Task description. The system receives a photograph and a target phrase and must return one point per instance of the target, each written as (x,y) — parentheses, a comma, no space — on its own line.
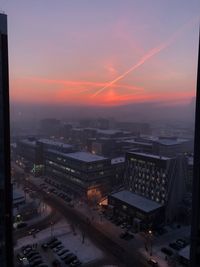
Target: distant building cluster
(123,162)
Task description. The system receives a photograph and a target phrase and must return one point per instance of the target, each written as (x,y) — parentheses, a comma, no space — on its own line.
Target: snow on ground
(86,251)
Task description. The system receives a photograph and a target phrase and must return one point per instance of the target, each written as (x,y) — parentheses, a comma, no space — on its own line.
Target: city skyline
(107,53)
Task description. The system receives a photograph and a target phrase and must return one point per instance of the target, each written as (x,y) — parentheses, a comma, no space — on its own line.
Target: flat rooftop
(117,160)
(85,156)
(54,143)
(137,201)
(185,252)
(171,142)
(28,142)
(3,23)
(109,131)
(147,155)
(17,195)
(138,143)
(81,156)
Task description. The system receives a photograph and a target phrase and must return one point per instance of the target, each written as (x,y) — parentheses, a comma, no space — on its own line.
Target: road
(126,254)
(42,224)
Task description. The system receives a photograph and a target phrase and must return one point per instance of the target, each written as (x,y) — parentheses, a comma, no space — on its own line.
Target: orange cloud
(79,92)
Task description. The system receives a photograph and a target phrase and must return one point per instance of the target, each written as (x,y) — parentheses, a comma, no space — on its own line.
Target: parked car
(27,250)
(36,263)
(44,246)
(126,235)
(36,257)
(66,255)
(181,243)
(175,246)
(58,248)
(21,225)
(152,262)
(167,251)
(75,263)
(33,231)
(31,254)
(25,262)
(55,244)
(56,263)
(70,259)
(53,239)
(60,253)
(20,256)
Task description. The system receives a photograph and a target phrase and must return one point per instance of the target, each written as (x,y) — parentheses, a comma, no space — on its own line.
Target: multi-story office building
(160,179)
(5,183)
(30,152)
(170,147)
(83,173)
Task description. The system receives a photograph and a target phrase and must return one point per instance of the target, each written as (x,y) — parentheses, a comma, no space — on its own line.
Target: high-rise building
(195,233)
(159,179)
(5,183)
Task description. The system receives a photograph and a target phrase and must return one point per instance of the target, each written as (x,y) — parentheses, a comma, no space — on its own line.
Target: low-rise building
(135,208)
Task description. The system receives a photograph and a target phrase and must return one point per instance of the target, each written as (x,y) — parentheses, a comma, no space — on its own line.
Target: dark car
(56,263)
(60,253)
(55,244)
(53,239)
(36,263)
(75,263)
(21,225)
(181,243)
(27,250)
(33,231)
(70,259)
(65,256)
(35,257)
(175,246)
(20,256)
(31,254)
(167,251)
(126,236)
(44,246)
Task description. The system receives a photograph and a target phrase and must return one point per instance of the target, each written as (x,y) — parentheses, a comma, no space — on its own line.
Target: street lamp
(51,224)
(150,241)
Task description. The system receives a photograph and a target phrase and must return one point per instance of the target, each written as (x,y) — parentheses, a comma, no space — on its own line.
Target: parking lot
(59,245)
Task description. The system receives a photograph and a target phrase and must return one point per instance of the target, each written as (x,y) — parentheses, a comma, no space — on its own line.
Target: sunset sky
(102,52)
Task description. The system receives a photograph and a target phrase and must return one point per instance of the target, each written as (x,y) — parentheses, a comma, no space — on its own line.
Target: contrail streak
(134,67)
(147,56)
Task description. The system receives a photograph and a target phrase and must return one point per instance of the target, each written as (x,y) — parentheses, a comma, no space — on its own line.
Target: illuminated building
(85,174)
(157,178)
(31,152)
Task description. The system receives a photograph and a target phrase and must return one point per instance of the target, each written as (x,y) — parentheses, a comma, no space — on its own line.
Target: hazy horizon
(140,112)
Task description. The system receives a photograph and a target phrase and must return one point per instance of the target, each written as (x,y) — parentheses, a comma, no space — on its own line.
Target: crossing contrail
(147,56)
